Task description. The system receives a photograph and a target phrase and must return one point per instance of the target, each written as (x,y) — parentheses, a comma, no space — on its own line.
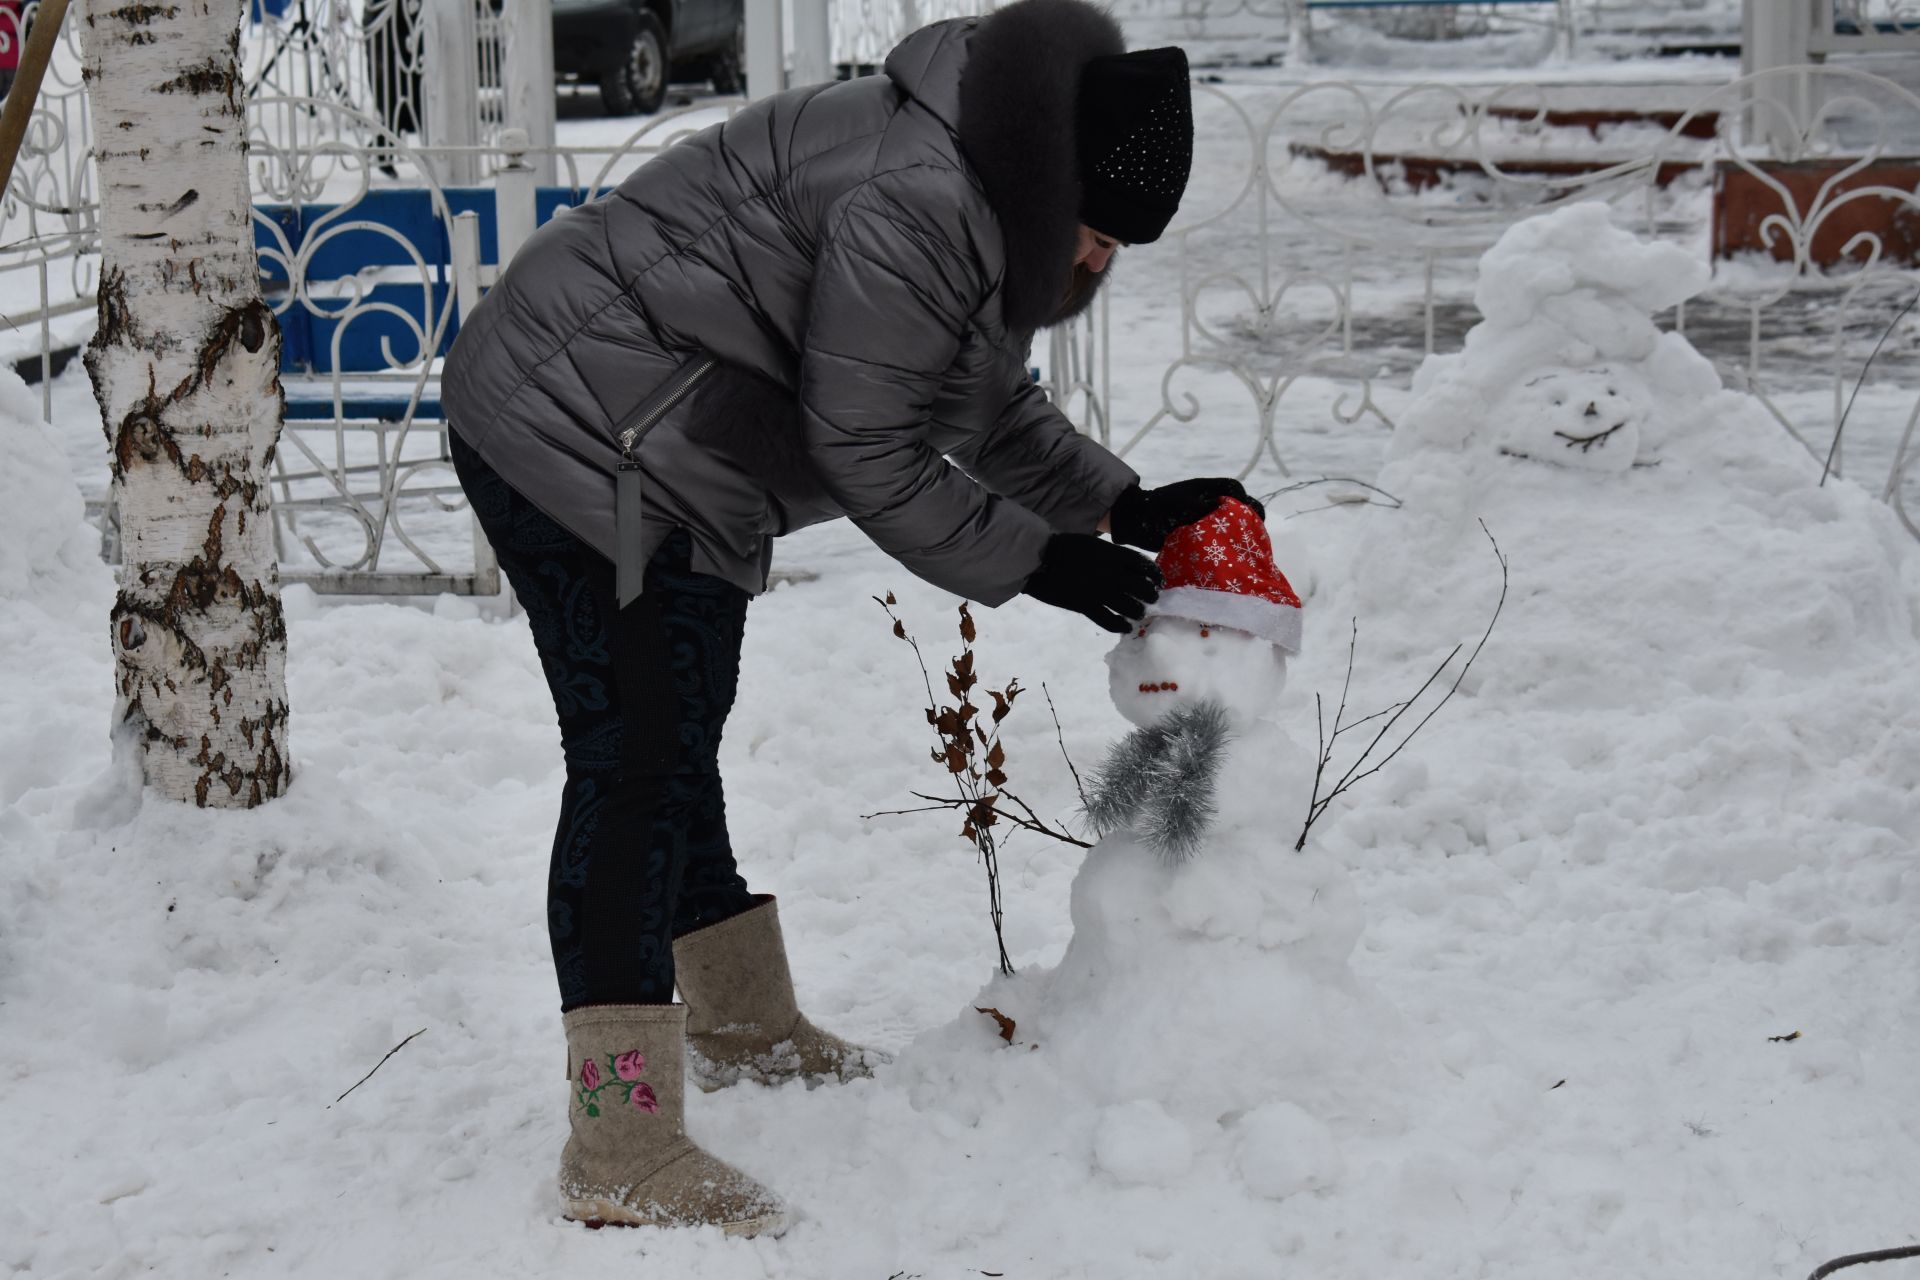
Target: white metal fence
(1288,276)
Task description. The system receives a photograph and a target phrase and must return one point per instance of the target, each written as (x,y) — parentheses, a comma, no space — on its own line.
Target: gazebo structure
(1780,38)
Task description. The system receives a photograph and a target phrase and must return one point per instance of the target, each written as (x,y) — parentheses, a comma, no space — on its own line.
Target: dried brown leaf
(899,629)
(996,778)
(890,599)
(1006,1024)
(966,625)
(1001,705)
(997,756)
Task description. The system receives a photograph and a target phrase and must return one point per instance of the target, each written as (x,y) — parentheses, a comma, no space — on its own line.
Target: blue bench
(379,284)
(382,281)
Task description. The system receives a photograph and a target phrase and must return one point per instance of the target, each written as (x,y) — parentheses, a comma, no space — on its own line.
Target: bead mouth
(1168,686)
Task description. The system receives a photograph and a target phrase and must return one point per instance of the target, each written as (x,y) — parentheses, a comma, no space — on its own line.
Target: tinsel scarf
(1160,781)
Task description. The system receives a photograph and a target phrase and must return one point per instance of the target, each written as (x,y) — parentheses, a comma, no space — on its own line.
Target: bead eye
(1204,633)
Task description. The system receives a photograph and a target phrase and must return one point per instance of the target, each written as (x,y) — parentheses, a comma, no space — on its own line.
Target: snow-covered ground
(1670,819)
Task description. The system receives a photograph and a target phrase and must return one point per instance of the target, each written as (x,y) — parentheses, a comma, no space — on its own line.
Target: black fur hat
(1135,138)
(1017,108)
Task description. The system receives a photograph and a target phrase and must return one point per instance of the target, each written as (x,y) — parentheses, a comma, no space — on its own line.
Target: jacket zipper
(631,436)
(629,569)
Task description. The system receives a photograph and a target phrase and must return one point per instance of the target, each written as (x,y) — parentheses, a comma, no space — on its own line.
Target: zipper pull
(629,565)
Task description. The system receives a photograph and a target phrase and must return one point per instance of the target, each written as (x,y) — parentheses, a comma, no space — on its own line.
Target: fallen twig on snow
(1317,804)
(376,1066)
(1854,1259)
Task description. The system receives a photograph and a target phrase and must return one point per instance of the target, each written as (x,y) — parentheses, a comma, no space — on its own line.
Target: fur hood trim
(1018,92)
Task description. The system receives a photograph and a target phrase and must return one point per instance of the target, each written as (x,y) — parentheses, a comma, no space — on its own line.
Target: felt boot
(629,1161)
(742,1021)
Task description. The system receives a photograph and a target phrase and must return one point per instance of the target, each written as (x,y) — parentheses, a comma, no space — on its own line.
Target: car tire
(639,84)
(729,67)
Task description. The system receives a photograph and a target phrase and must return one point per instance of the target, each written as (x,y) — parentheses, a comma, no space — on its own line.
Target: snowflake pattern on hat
(1220,570)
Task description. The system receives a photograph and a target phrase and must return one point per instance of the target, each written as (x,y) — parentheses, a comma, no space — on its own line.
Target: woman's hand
(1144,517)
(1089,575)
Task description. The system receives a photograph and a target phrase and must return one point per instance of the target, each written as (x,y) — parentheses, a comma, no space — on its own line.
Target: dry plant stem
(1391,502)
(1354,773)
(1833,450)
(1061,737)
(1031,822)
(1388,710)
(964,749)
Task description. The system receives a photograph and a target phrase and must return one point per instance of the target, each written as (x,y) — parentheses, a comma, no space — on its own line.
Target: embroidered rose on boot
(625,1078)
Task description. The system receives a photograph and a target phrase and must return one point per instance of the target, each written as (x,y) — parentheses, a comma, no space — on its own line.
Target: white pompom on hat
(1220,571)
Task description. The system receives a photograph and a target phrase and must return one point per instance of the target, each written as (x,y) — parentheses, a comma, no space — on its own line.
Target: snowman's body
(1258,788)
(1206,1001)
(1204,1006)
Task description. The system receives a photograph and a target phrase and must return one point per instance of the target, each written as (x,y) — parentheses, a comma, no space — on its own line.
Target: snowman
(1567,366)
(1207,663)
(1205,1004)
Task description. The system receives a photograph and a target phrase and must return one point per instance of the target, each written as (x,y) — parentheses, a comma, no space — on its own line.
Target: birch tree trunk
(186,366)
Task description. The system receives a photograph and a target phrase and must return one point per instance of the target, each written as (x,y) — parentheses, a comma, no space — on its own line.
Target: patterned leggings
(641,854)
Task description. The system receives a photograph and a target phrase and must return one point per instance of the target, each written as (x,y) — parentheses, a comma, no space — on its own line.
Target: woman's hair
(1082,285)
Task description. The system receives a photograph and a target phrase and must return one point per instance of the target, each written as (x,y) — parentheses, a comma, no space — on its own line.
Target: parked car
(634,48)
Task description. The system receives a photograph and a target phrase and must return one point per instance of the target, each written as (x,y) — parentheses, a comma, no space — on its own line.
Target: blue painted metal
(408,237)
(362,408)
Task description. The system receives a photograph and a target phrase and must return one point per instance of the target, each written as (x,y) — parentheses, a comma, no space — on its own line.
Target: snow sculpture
(1189,679)
(1205,1004)
(1568,367)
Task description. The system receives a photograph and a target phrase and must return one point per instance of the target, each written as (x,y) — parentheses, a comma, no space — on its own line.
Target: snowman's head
(1169,662)
(1588,419)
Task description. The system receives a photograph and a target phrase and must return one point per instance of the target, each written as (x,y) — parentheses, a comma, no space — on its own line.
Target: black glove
(1090,575)
(1144,517)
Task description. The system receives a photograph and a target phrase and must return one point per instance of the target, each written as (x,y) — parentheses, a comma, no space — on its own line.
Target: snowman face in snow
(1587,419)
(1167,663)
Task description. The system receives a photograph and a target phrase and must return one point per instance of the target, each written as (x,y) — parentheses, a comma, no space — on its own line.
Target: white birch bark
(186,368)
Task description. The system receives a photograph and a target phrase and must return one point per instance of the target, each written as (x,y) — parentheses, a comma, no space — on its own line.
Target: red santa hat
(1220,570)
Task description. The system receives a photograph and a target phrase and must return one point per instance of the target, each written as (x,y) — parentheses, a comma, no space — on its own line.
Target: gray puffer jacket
(805,312)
